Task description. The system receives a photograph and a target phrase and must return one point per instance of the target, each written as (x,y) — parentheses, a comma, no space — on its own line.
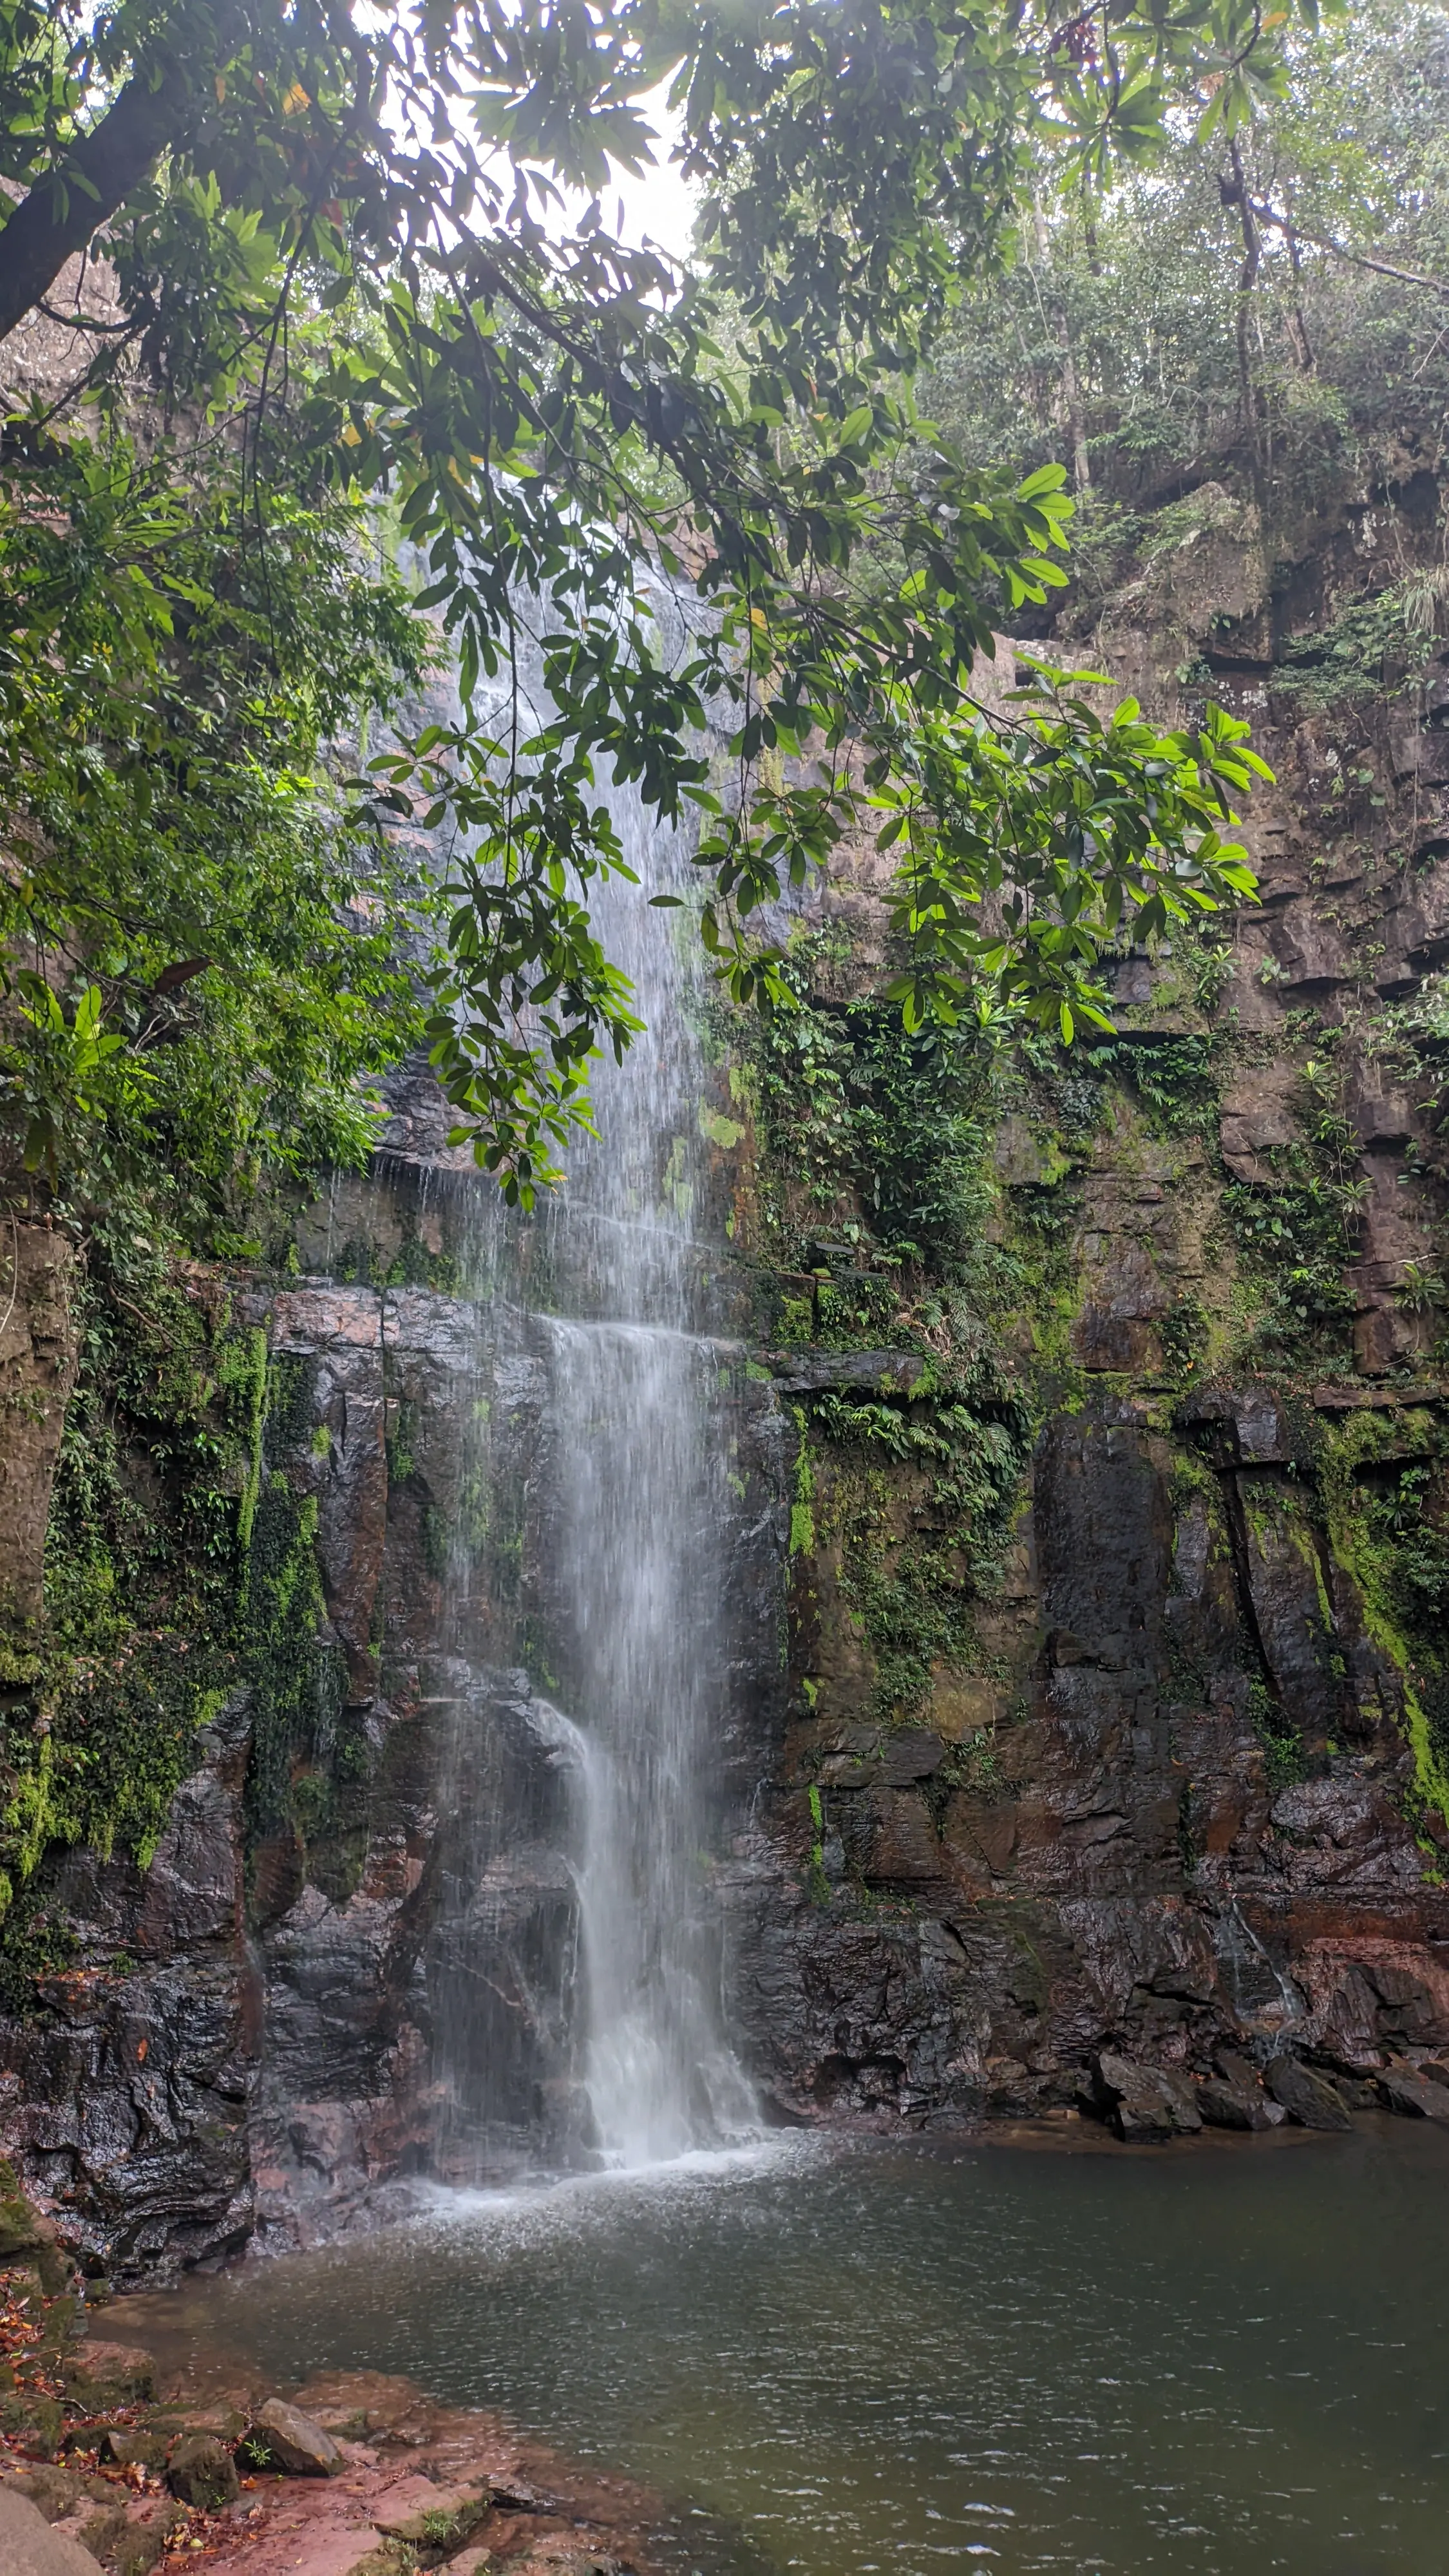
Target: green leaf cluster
(546,410)
(202,966)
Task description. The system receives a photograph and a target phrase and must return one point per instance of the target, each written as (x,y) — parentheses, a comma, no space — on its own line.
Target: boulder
(202,2472)
(130,2542)
(130,2548)
(53,2491)
(284,2438)
(1306,2096)
(129,2445)
(1418,2097)
(28,2546)
(226,2423)
(40,2421)
(1144,2103)
(1233,2106)
(1237,2070)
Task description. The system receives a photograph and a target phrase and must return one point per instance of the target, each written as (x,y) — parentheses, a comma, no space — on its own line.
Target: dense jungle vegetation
(1119,272)
(335,314)
(1243,334)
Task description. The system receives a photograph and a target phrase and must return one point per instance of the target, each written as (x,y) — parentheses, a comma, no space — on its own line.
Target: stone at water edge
(28,2546)
(1307,2097)
(560,2556)
(131,2446)
(1144,2104)
(1415,2095)
(515,2495)
(289,2440)
(437,2521)
(202,2472)
(1226,2106)
(55,2491)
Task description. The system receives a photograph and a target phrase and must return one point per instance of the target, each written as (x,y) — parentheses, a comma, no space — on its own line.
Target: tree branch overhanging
(92,182)
(1293,231)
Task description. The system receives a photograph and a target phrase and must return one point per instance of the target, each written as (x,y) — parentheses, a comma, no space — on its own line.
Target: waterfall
(636,1549)
(597,1317)
(642,1522)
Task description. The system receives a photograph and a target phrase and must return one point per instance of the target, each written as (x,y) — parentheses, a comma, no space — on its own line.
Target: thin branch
(1292,230)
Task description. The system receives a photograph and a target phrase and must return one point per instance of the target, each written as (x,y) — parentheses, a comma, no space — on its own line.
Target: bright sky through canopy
(660,203)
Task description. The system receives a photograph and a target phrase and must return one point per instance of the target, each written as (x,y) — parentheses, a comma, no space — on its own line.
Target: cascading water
(635,1560)
(640,1532)
(624,1515)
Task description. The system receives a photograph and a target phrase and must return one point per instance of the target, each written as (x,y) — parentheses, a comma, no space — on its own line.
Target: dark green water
(1222,2359)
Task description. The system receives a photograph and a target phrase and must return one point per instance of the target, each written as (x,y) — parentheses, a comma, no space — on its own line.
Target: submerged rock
(100,2376)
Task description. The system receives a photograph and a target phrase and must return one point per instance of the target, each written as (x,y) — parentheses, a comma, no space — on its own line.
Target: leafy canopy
(373,245)
(1344,193)
(203,964)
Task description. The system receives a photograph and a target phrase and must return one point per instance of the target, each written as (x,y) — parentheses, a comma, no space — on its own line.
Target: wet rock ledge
(111,2460)
(1147,2105)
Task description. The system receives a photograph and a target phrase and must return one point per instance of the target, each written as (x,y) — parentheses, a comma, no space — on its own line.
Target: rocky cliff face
(1173,1770)
(1106,1538)
(245,2034)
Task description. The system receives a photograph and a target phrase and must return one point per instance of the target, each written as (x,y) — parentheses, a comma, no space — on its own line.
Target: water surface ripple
(906,2359)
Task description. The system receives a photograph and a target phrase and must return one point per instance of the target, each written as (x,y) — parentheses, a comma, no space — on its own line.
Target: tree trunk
(1071,383)
(1249,397)
(83,191)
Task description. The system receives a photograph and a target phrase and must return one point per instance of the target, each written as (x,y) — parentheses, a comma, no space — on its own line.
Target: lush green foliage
(180,1569)
(859,1112)
(157,1478)
(914,1555)
(202,960)
(1163,331)
(549,407)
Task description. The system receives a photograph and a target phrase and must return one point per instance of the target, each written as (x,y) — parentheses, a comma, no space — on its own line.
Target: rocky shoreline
(114,2461)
